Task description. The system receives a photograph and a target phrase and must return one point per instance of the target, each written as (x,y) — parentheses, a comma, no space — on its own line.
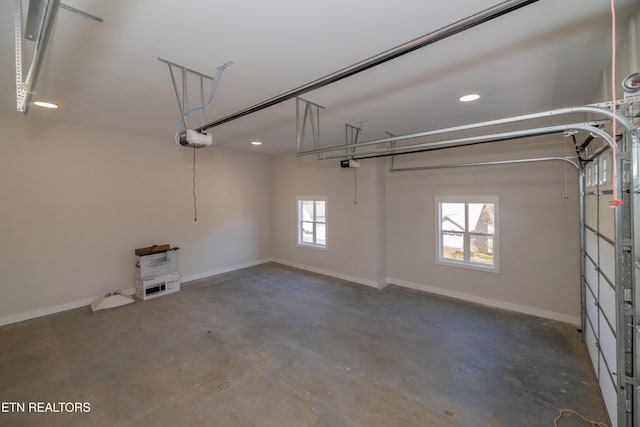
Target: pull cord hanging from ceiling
(195,200)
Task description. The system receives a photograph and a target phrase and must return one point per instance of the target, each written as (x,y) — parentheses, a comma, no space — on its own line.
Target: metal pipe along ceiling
(490,163)
(623,121)
(420,42)
(458,142)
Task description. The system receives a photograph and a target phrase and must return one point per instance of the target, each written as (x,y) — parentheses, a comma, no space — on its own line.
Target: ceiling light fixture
(256,143)
(45,104)
(470,97)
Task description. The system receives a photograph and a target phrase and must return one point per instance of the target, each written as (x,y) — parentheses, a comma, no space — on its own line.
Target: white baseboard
(547,314)
(192,277)
(347,277)
(19,317)
(32,314)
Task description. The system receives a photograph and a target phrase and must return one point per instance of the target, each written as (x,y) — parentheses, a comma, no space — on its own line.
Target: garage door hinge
(628,296)
(627,405)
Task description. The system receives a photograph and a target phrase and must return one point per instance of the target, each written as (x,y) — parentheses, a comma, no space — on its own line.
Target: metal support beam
(351,134)
(40,19)
(489,163)
(81,12)
(41,45)
(634,150)
(20,92)
(35,17)
(197,73)
(440,34)
(175,88)
(458,142)
(624,282)
(583,273)
(183,103)
(312,115)
(623,122)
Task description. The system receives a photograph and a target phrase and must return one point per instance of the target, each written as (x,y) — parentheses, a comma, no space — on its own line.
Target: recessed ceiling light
(45,104)
(256,143)
(470,97)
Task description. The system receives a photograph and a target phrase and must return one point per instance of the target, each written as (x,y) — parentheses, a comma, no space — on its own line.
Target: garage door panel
(592,310)
(592,276)
(591,211)
(608,347)
(591,241)
(606,217)
(608,260)
(599,275)
(610,398)
(606,373)
(590,339)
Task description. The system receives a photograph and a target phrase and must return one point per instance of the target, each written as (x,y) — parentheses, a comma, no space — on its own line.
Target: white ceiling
(107,75)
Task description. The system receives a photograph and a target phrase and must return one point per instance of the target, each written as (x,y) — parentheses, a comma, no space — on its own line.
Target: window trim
(495,268)
(299,222)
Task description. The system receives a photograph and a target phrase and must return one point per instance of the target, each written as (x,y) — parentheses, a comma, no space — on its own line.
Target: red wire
(614,105)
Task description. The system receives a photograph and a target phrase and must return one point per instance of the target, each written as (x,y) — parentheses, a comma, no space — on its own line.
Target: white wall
(354,230)
(538,230)
(391,232)
(75,202)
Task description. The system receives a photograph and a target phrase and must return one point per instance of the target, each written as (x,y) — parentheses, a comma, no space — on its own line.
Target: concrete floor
(275,346)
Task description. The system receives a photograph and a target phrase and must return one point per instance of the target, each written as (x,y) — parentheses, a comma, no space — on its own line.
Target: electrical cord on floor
(592,423)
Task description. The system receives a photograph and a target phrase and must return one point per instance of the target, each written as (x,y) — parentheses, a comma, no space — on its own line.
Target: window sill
(312,246)
(477,267)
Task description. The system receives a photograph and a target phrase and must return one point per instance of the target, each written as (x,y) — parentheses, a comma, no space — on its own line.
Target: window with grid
(467,231)
(312,222)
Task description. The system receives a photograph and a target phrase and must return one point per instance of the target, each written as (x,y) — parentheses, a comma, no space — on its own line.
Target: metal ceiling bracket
(41,35)
(20,92)
(181,95)
(40,19)
(312,115)
(35,16)
(81,12)
(351,134)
